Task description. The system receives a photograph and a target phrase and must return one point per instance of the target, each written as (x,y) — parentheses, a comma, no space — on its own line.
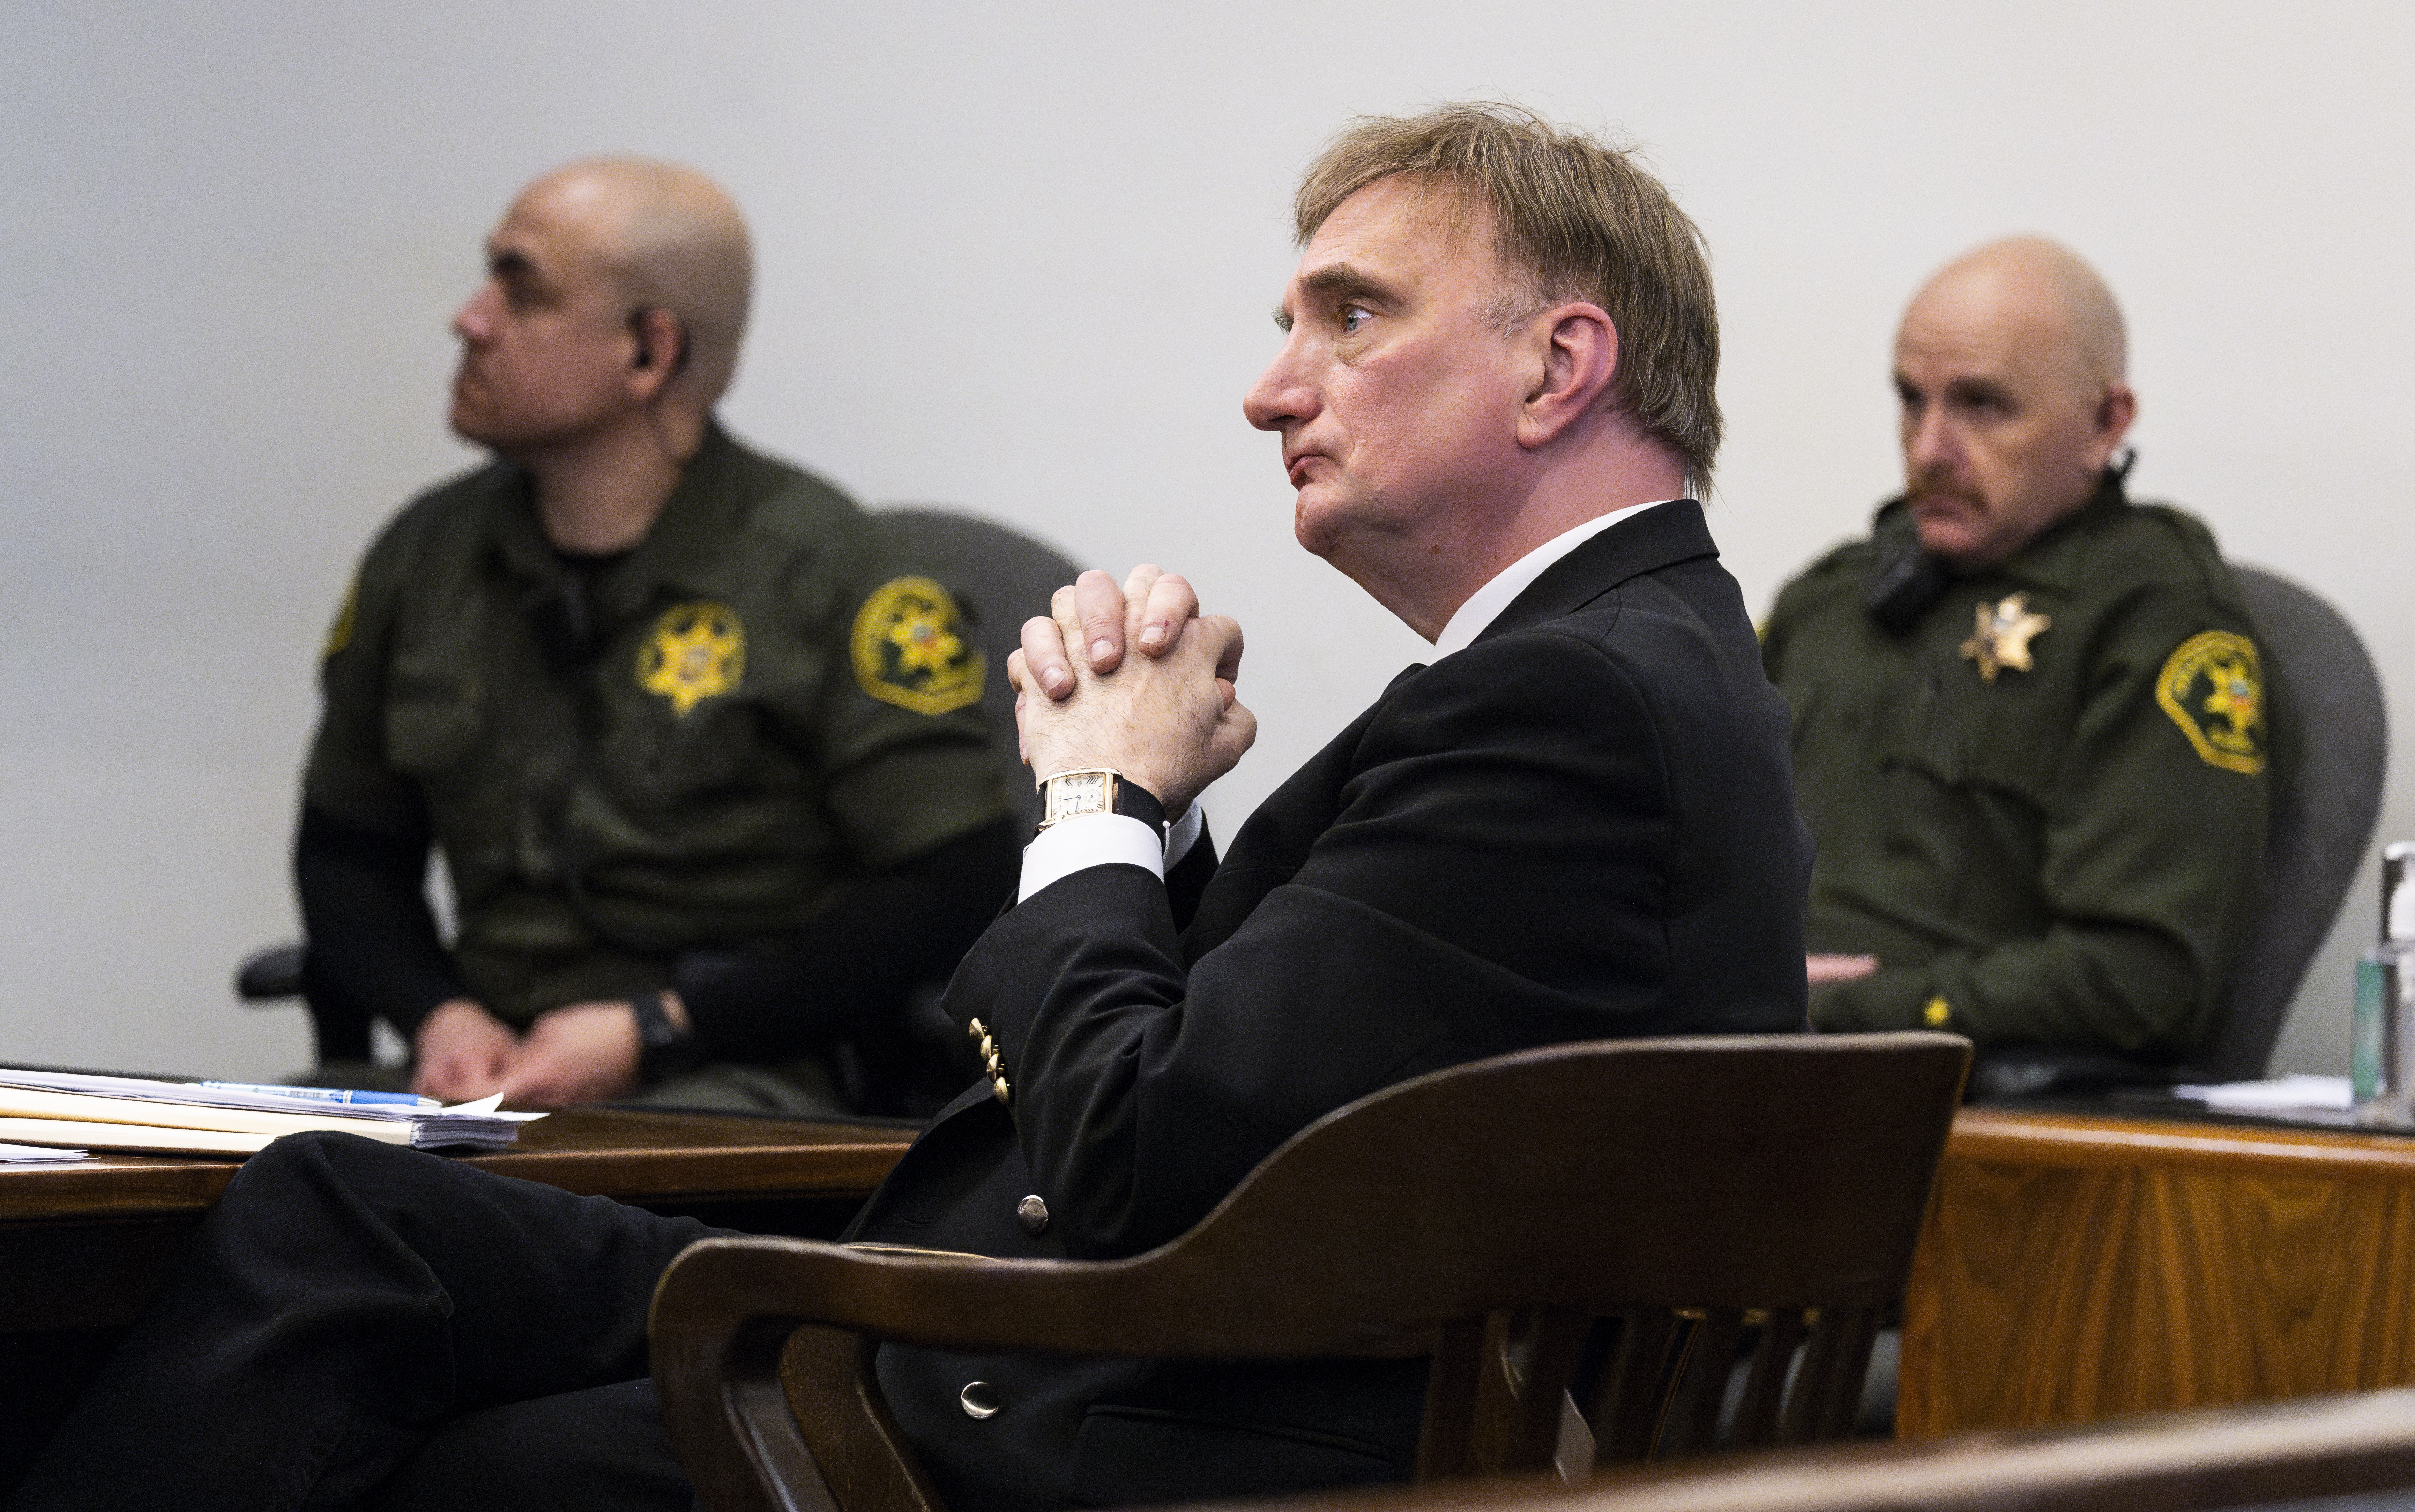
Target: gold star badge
(696,652)
(2003,635)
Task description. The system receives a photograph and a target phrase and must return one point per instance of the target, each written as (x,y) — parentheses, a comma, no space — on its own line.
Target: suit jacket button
(979,1399)
(1032,1214)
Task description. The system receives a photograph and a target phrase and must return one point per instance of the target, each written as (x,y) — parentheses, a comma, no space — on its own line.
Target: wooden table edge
(2068,1139)
(136,1188)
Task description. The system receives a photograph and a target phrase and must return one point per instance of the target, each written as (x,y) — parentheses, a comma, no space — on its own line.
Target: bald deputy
(705,817)
(2030,722)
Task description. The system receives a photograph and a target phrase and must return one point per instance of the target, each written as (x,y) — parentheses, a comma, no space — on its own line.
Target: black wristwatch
(664,1049)
(1099,790)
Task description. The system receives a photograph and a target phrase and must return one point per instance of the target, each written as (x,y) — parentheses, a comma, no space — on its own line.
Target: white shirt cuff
(1093,840)
(1104,840)
(1185,833)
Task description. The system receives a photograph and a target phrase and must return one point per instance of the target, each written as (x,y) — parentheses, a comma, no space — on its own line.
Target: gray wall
(1019,258)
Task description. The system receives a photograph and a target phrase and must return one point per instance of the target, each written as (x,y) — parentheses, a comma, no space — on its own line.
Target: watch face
(1082,793)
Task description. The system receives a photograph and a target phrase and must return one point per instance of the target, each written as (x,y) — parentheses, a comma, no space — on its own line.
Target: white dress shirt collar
(1485,605)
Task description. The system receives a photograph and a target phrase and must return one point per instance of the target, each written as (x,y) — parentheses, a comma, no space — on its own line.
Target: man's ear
(1579,348)
(657,352)
(2115,410)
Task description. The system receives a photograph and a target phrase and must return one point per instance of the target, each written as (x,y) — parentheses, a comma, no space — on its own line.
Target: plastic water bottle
(2381,1033)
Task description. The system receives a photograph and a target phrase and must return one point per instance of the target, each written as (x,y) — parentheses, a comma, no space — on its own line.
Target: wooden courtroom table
(2075,1267)
(82,1245)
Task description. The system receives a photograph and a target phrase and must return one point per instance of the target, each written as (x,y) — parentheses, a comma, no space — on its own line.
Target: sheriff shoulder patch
(909,648)
(698,651)
(2213,689)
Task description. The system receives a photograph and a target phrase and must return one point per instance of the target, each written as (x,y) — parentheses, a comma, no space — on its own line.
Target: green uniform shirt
(766,708)
(2061,854)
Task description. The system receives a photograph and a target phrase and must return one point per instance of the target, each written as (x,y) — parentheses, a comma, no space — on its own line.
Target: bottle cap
(2398,890)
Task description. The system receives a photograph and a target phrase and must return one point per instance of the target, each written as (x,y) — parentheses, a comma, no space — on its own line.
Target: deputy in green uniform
(2030,729)
(706,767)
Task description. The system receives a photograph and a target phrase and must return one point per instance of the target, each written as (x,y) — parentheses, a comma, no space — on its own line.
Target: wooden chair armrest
(717,1364)
(767,1390)
(726,1310)
(1182,1301)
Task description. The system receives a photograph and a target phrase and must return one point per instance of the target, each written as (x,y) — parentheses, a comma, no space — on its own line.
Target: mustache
(1939,482)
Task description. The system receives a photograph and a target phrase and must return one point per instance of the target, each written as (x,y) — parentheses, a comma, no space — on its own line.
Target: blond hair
(1572,218)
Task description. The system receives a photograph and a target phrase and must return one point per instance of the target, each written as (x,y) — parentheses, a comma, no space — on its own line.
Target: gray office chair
(999,576)
(2326,795)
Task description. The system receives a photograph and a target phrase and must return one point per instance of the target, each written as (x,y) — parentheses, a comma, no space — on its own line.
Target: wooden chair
(1491,1215)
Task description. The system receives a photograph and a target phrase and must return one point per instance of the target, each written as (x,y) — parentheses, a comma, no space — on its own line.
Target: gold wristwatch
(1070,795)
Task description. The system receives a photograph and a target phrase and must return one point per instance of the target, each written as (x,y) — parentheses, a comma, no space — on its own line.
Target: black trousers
(362,1326)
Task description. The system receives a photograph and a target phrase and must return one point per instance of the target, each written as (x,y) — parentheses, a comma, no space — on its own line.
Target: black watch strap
(664,1049)
(1133,802)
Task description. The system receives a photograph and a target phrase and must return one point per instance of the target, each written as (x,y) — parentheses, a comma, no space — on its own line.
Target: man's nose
(1279,394)
(1928,441)
(474,320)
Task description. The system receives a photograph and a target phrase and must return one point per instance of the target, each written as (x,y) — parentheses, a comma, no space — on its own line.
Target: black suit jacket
(1582,826)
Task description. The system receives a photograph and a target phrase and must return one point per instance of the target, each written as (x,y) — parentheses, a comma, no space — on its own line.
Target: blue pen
(326,1094)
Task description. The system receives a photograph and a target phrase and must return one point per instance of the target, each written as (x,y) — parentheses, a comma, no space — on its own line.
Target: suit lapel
(1273,846)
(1659,537)
(1274,841)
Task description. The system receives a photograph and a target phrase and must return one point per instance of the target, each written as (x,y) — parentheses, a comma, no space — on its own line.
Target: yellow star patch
(2003,635)
(2213,686)
(910,647)
(698,651)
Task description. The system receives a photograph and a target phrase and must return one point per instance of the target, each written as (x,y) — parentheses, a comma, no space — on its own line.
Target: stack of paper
(36,1155)
(124,1113)
(2293,1093)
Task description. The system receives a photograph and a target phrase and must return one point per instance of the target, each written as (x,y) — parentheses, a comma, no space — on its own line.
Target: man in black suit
(1576,822)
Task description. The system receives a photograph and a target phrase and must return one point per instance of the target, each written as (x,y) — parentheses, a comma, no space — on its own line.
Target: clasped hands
(1166,719)
(579,1053)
